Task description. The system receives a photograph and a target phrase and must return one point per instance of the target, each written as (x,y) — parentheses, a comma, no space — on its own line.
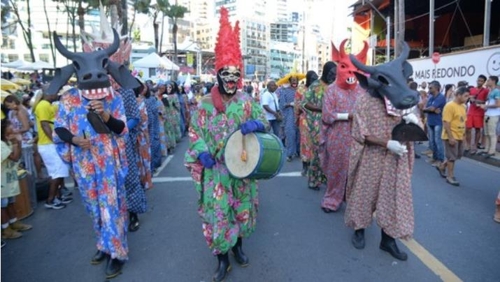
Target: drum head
(232,154)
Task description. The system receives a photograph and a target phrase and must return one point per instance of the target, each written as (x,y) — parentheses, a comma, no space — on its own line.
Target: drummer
(226,205)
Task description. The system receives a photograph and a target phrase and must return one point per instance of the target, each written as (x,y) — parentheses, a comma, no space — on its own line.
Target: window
(27,57)
(44,57)
(13,57)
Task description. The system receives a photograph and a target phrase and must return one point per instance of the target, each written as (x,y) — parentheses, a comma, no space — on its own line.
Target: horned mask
(346,78)
(389,80)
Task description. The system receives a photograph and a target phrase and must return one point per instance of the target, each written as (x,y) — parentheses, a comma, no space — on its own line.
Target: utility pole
(401,26)
(487,19)
(431,27)
(388,40)
(396,28)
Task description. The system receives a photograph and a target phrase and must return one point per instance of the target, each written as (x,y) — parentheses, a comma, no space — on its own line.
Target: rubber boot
(223,268)
(134,222)
(388,244)
(240,257)
(305,166)
(99,257)
(358,239)
(114,268)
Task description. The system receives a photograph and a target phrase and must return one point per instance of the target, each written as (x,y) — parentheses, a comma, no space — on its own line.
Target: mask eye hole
(383,80)
(77,65)
(343,66)
(105,62)
(225,73)
(98,48)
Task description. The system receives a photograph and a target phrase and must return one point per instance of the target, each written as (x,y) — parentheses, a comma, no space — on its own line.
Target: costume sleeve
(299,96)
(197,145)
(329,114)
(131,108)
(63,120)
(117,111)
(360,121)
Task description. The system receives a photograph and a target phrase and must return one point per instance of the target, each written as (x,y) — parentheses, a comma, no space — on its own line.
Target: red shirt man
(475,115)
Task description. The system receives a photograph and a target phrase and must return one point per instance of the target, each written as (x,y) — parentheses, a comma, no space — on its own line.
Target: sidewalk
(495,160)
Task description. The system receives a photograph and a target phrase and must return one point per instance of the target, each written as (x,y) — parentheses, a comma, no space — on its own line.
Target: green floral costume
(314,96)
(172,126)
(226,205)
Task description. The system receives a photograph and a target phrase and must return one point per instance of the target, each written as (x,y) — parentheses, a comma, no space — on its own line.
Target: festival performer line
(227,205)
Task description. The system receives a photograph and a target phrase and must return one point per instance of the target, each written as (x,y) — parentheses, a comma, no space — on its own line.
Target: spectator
(56,168)
(11,153)
(454,116)
(270,104)
(434,108)
(491,116)
(475,115)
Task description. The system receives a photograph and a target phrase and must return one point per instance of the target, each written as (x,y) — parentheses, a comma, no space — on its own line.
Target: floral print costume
(313,119)
(144,147)
(163,135)
(173,118)
(305,138)
(99,172)
(154,131)
(136,197)
(226,205)
(335,142)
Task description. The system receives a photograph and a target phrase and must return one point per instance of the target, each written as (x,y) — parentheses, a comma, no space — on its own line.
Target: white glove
(396,147)
(411,118)
(343,116)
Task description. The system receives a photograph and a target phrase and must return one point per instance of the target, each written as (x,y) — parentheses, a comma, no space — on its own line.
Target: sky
(331,16)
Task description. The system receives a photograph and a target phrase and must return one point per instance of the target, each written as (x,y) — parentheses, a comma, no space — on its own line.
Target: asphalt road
(294,240)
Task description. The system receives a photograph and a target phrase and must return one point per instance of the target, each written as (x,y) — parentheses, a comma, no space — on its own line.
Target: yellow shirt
(44,111)
(454,114)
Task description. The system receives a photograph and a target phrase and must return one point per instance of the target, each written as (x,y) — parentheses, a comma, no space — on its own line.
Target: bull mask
(389,80)
(92,70)
(346,77)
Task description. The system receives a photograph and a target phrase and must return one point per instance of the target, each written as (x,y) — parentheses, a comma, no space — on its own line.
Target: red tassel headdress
(227,51)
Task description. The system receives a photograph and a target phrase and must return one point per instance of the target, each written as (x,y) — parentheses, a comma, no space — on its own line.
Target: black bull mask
(91,69)
(389,80)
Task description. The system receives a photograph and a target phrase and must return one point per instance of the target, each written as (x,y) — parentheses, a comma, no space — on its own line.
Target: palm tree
(160,7)
(175,12)
(142,7)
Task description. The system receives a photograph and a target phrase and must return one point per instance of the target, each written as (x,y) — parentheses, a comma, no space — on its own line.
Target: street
(455,237)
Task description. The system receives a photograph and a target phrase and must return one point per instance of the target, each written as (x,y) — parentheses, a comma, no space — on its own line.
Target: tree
(175,12)
(142,7)
(160,7)
(25,27)
(52,50)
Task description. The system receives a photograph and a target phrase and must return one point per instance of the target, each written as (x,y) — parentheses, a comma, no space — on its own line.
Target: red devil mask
(346,79)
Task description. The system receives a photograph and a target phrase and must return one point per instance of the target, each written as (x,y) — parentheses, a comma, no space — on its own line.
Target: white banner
(455,67)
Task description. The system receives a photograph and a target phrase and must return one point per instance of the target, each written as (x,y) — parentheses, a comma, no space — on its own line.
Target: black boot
(388,244)
(98,257)
(305,166)
(114,268)
(134,222)
(358,239)
(240,257)
(223,268)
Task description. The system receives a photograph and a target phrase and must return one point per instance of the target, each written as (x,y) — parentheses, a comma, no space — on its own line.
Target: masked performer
(143,140)
(91,129)
(174,111)
(380,167)
(286,95)
(335,136)
(305,140)
(226,205)
(313,106)
(153,125)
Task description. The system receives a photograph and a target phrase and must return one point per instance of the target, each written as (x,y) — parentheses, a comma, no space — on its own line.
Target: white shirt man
(269,102)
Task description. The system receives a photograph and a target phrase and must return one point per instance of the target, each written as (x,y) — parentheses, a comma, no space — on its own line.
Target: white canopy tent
(15,64)
(38,65)
(155,66)
(154,61)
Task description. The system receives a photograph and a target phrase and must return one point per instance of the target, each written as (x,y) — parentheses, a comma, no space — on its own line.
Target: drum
(254,156)
(23,204)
